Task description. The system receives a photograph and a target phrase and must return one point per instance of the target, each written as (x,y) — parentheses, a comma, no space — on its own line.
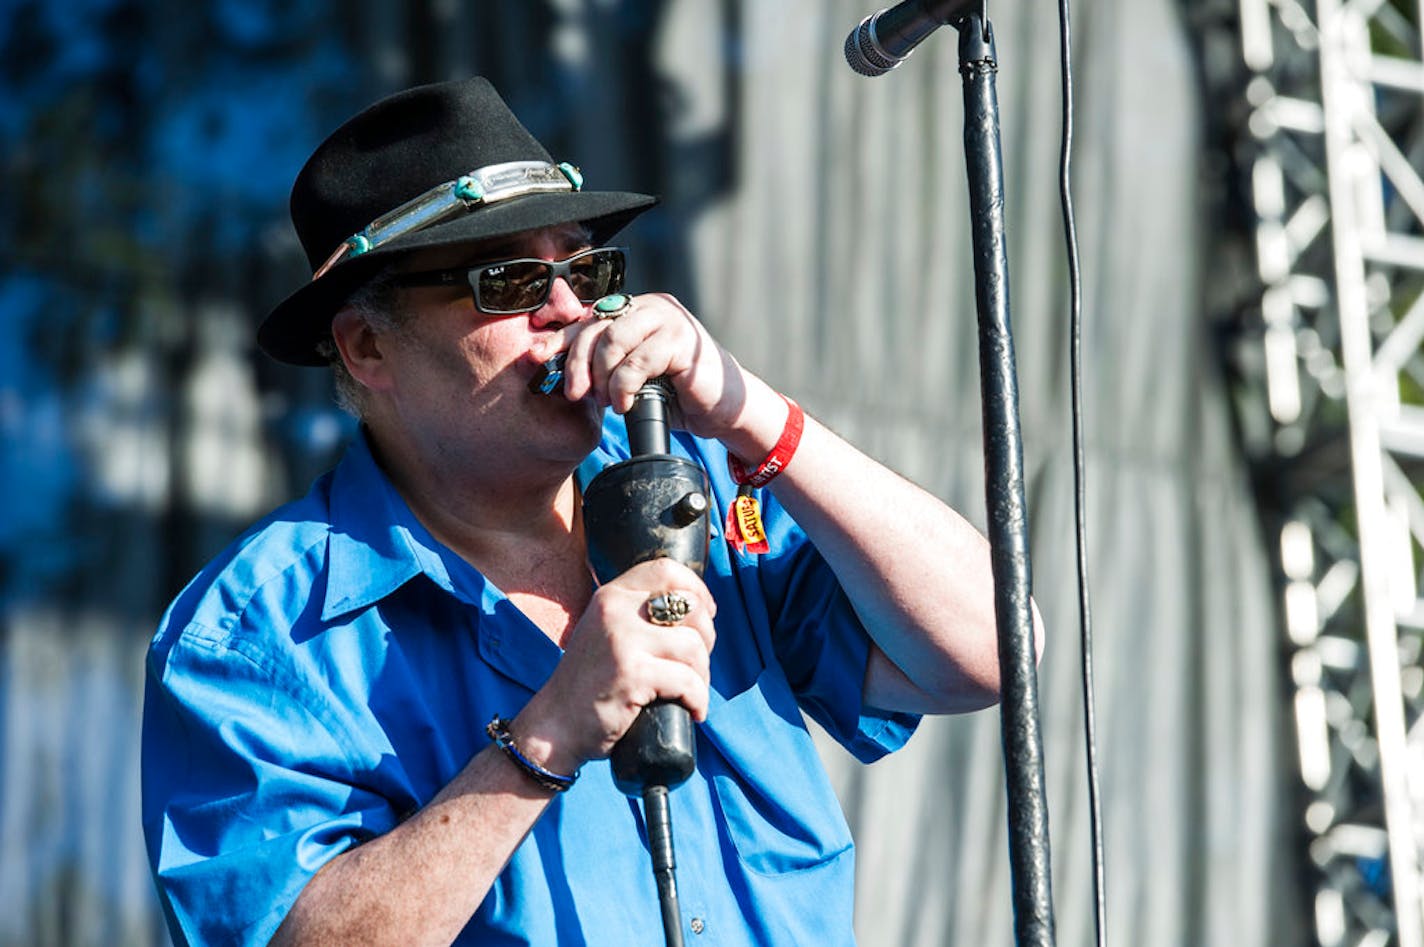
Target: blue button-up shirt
(335,668)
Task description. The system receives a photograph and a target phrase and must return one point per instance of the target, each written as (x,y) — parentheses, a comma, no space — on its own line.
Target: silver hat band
(482,186)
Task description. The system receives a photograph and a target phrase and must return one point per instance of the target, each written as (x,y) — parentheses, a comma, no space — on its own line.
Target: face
(458,378)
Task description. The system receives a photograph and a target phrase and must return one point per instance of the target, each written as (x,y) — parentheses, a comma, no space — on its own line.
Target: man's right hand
(616,663)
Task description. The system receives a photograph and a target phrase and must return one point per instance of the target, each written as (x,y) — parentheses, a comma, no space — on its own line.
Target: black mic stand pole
(1003,475)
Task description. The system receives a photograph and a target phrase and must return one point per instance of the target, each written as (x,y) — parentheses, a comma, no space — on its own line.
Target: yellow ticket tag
(744,526)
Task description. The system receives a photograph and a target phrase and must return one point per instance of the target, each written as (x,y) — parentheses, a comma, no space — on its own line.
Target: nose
(561,308)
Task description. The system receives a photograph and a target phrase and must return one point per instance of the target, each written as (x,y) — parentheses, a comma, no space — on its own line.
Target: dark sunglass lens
(512,287)
(597,275)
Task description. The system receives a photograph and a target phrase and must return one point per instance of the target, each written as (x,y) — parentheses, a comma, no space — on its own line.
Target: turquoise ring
(612,306)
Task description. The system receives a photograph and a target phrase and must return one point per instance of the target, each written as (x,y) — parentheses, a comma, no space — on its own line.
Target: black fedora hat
(433,166)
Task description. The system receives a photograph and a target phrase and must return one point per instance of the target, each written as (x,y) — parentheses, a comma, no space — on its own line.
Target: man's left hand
(610,359)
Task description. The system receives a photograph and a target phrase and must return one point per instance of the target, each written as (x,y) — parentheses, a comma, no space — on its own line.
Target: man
(318,756)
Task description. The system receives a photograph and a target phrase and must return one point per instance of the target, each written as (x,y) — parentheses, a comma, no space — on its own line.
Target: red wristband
(780,455)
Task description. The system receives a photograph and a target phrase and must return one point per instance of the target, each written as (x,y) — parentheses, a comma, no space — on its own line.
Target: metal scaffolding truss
(1334,145)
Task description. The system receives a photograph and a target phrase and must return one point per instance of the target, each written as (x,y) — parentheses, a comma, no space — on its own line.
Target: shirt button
(697,925)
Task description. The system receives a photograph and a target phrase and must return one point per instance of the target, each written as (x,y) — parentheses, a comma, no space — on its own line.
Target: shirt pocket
(776,802)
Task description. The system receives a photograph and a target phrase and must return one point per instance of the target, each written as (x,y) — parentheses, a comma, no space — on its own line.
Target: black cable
(658,818)
(1079,464)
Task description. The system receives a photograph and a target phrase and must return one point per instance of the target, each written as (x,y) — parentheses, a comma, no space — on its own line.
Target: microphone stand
(1003,473)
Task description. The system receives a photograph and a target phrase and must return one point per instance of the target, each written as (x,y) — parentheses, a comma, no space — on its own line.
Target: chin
(581,422)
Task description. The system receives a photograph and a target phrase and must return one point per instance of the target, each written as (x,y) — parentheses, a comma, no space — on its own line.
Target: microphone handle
(658,749)
(647,420)
(652,505)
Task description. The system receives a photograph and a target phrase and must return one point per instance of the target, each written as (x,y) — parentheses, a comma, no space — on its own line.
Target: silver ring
(612,306)
(668,608)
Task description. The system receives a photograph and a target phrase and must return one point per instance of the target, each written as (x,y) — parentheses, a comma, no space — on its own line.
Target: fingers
(618,660)
(609,360)
(673,664)
(660,576)
(660,663)
(681,664)
(682,685)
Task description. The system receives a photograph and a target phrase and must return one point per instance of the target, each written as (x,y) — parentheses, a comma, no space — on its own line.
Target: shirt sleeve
(246,791)
(821,643)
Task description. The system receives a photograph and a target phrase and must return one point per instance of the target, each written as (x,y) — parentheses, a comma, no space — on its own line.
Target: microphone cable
(1075,290)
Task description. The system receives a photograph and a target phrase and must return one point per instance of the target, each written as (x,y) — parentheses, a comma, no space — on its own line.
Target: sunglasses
(514,286)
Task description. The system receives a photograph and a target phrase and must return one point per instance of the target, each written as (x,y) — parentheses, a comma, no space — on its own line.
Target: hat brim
(296,327)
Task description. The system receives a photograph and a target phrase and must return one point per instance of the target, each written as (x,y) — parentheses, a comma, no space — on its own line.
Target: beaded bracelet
(498,730)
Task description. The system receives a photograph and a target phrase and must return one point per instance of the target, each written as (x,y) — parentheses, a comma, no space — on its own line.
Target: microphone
(884,40)
(647,420)
(653,504)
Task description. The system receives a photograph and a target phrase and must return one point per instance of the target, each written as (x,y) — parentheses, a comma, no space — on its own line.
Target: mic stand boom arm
(1003,475)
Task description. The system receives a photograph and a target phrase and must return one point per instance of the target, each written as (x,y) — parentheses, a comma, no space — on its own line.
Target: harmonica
(550,377)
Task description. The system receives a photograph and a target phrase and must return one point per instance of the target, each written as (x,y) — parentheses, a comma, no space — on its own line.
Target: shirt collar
(376,543)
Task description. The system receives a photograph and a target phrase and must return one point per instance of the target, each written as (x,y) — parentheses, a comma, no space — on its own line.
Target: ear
(362,349)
